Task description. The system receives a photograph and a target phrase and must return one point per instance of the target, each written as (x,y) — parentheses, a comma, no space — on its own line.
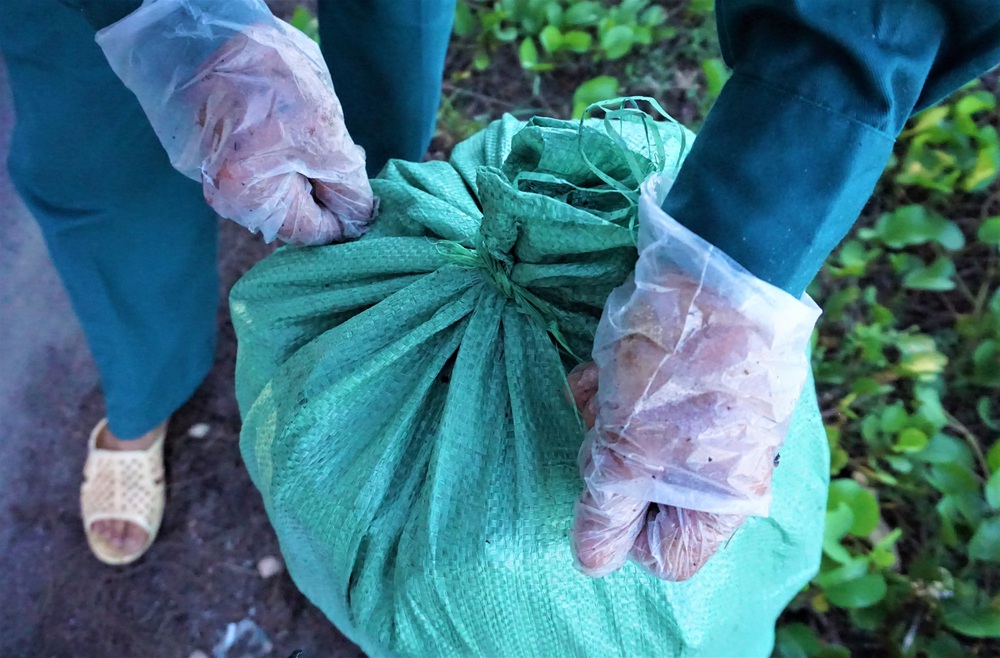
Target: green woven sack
(406,419)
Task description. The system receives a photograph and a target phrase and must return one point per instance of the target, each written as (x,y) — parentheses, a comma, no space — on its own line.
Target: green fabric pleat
(406,419)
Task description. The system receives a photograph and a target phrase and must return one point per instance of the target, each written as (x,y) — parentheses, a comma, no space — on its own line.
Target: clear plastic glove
(243,102)
(697,368)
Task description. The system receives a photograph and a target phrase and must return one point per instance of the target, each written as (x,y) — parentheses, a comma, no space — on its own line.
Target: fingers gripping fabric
(699,367)
(408,421)
(243,102)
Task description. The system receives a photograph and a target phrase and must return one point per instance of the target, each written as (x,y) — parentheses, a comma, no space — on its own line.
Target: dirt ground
(201,576)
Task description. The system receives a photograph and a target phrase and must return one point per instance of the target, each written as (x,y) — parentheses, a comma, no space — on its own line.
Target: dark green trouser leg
(132,239)
(386,58)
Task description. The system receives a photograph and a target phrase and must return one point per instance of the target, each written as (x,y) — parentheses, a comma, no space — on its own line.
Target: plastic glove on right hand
(668,542)
(243,103)
(699,366)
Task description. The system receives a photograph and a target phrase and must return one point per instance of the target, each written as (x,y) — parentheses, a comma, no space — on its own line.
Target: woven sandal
(122,485)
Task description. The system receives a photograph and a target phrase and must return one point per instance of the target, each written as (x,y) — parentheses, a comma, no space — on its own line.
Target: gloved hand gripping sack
(408,421)
(243,102)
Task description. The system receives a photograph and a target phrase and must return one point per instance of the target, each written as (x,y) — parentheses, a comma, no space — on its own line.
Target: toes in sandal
(122,485)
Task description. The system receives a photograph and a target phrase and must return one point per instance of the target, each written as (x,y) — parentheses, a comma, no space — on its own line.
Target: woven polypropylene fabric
(407,423)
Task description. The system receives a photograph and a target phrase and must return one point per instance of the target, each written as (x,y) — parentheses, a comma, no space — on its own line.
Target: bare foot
(121,536)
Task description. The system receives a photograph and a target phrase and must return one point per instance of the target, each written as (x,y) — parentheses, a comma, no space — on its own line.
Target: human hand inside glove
(697,368)
(243,102)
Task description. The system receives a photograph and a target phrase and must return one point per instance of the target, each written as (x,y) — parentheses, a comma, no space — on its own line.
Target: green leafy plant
(911,553)
(953,147)
(545,30)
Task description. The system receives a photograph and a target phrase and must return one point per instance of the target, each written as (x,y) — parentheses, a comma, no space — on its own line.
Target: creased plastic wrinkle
(243,103)
(697,369)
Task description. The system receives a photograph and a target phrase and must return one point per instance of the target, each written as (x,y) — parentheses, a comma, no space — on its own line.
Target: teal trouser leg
(133,240)
(386,58)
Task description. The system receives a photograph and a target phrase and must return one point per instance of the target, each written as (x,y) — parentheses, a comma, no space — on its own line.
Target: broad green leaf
(894,418)
(491,20)
(882,316)
(305,22)
(890,539)
(854,258)
(577,41)
(979,622)
(465,22)
(871,428)
(910,440)
(904,262)
(936,276)
(629,9)
(833,435)
(716,75)
(617,41)
(885,477)
(992,491)
(859,593)
(920,357)
(551,38)
(593,91)
(788,646)
(528,53)
(553,13)
(931,168)
(986,362)
(929,118)
(838,524)
(993,458)
(989,231)
(944,646)
(869,619)
(481,61)
(970,505)
(664,33)
(861,501)
(899,464)
(838,460)
(653,16)
(839,521)
(869,386)
(946,514)
(505,34)
(952,479)
(882,557)
(642,35)
(985,543)
(978,101)
(802,637)
(579,14)
(930,411)
(853,570)
(987,163)
(701,6)
(915,224)
(837,302)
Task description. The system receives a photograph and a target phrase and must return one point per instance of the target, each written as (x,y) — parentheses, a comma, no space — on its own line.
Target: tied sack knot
(498,267)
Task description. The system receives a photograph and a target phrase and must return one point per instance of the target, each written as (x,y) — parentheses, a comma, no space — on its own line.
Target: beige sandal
(122,485)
